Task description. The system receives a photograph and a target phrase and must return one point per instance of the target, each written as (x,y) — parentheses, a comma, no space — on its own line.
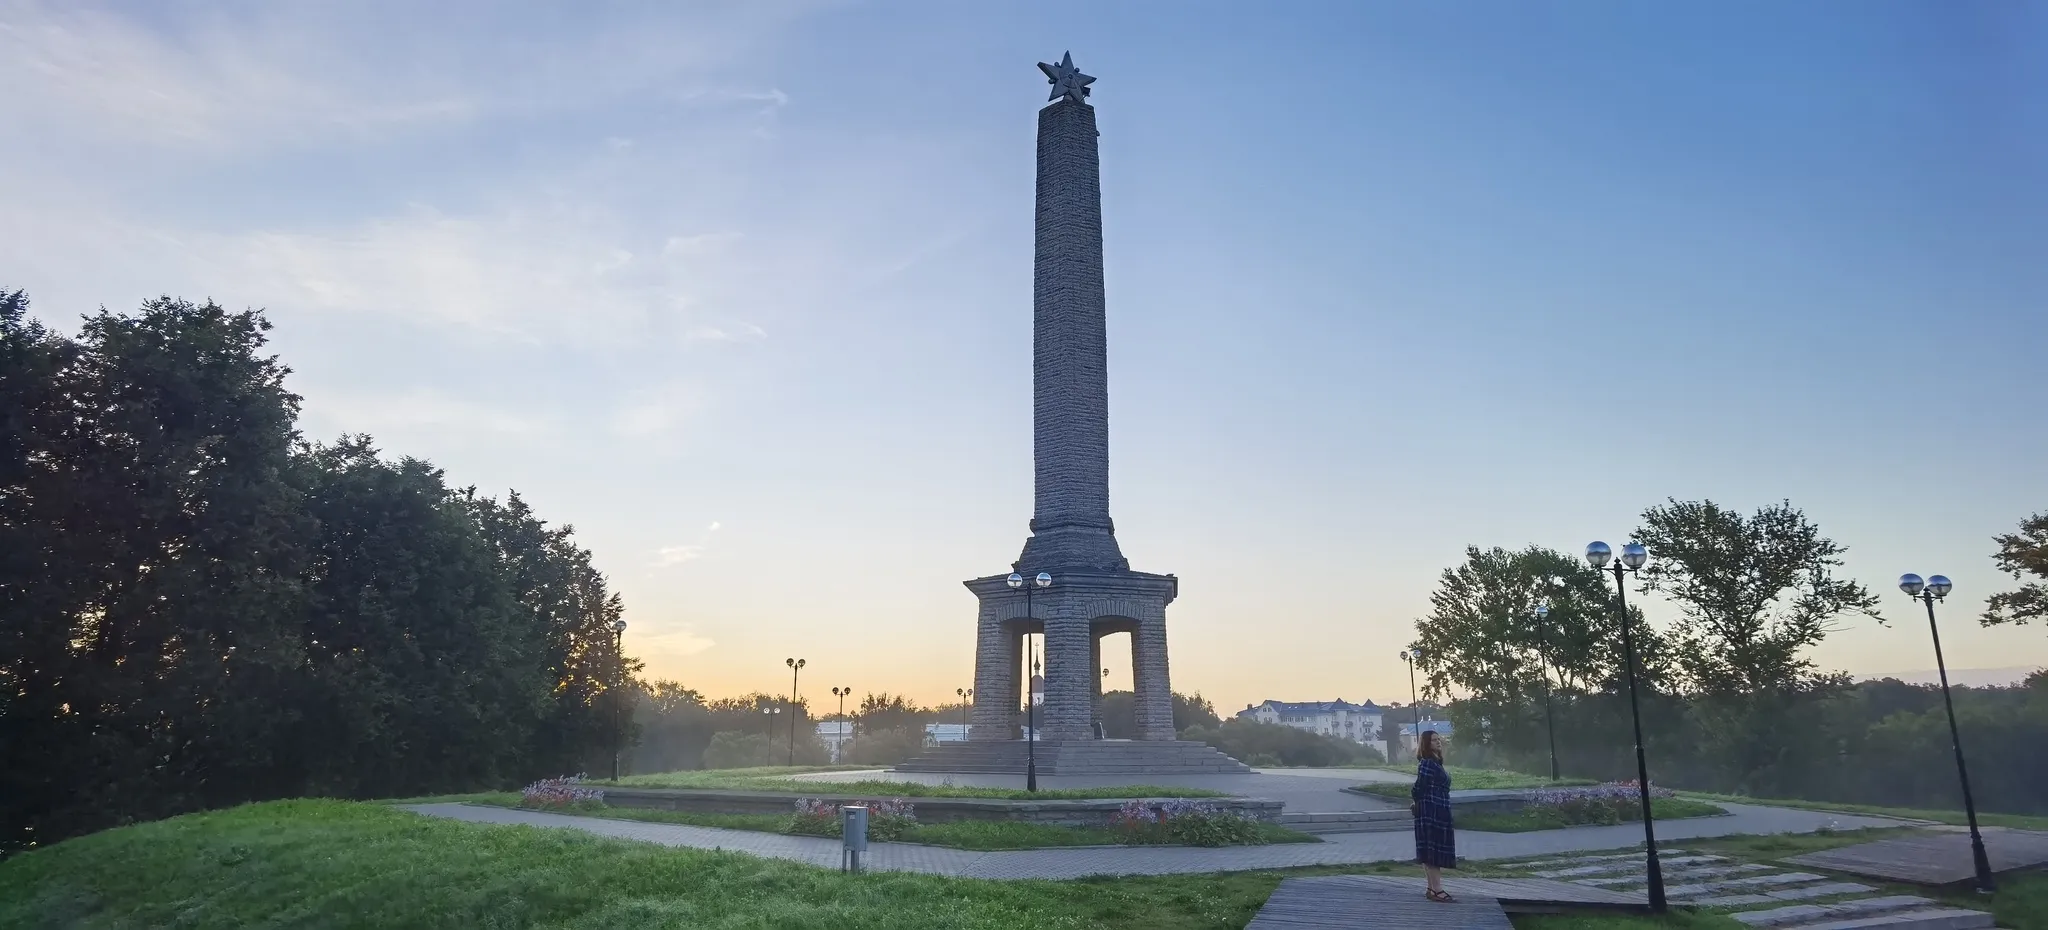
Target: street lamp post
(795,666)
(1102,726)
(1016,581)
(1543,662)
(768,719)
(839,746)
(966,695)
(619,706)
(1633,555)
(1414,706)
(1936,588)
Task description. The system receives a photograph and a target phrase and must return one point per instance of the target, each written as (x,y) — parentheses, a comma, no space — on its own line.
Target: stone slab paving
(1639,878)
(1943,858)
(1801,893)
(1799,915)
(1768,900)
(1701,889)
(1308,904)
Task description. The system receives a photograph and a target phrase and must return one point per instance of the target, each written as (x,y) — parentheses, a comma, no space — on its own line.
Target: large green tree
(2023,555)
(1754,592)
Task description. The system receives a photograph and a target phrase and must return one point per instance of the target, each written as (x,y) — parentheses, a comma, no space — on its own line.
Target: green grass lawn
(756,780)
(2016,821)
(322,864)
(1546,818)
(966,834)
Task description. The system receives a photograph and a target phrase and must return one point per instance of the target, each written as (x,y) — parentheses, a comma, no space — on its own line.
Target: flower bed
(887,820)
(567,791)
(1611,803)
(1185,823)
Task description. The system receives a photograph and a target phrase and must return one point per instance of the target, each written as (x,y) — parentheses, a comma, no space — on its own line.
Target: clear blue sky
(743,290)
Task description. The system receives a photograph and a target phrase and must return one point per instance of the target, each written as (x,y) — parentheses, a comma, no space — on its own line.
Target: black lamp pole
(1414,706)
(1633,555)
(795,666)
(619,705)
(966,696)
(1543,663)
(1042,580)
(1934,589)
(839,746)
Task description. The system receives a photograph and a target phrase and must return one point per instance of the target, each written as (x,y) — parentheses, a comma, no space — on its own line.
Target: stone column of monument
(1072,537)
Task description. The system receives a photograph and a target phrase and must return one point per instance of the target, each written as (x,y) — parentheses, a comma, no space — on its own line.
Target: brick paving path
(1338,849)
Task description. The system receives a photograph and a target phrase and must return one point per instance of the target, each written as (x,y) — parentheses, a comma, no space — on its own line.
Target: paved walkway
(1337,849)
(1317,791)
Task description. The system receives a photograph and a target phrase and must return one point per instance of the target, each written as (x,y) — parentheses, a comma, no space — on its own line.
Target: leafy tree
(2021,555)
(1754,593)
(883,712)
(1482,638)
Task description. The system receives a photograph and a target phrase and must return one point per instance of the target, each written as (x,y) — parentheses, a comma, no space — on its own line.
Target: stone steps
(1714,882)
(1801,893)
(1897,911)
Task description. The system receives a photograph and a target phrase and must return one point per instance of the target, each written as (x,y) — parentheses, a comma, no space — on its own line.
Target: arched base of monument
(1091,757)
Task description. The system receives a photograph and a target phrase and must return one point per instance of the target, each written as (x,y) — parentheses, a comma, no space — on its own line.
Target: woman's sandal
(1441,897)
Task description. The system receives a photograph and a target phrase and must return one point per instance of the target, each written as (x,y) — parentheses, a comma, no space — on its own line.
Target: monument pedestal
(1074,613)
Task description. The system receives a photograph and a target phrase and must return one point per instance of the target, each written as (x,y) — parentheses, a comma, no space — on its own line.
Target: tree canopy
(198,607)
(2022,555)
(1754,593)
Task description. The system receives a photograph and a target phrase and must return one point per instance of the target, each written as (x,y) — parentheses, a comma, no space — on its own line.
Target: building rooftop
(1296,708)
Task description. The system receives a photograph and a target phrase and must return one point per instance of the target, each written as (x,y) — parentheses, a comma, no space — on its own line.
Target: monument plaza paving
(1303,790)
(1337,849)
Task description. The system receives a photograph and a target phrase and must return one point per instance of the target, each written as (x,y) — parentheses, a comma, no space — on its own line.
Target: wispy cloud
(673,644)
(271,74)
(671,556)
(657,412)
(667,556)
(421,409)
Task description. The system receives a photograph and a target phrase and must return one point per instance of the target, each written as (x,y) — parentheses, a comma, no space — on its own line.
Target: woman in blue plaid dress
(1436,843)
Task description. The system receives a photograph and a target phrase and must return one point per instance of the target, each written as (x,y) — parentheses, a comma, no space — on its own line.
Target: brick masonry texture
(1095,594)
(1070,524)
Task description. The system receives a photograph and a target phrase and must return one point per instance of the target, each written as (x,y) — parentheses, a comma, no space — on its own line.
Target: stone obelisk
(1093,592)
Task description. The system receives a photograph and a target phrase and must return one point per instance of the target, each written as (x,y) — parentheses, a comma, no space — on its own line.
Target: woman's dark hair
(1431,747)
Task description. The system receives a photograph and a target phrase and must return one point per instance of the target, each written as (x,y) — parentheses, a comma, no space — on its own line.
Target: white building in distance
(1359,723)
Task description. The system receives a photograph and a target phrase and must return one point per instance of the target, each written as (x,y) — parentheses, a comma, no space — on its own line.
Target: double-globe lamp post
(1633,556)
(966,697)
(619,706)
(839,745)
(1933,589)
(1543,663)
(795,666)
(1030,702)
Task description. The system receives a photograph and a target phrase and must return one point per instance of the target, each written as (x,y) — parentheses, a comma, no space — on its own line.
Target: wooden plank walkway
(1931,858)
(1381,902)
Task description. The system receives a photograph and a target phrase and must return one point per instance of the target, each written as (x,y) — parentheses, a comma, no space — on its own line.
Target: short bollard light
(853,836)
